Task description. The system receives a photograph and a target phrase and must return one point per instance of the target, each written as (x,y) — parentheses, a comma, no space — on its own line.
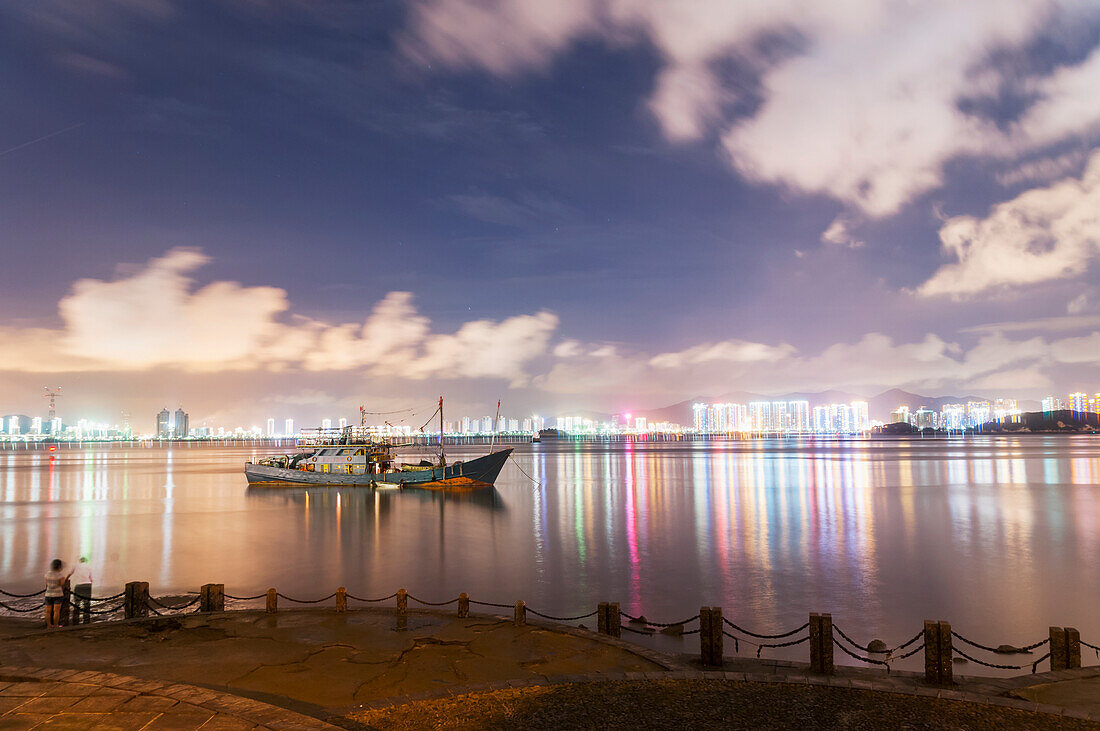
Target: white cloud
(729,351)
(154,317)
(861,101)
(839,233)
(1041,235)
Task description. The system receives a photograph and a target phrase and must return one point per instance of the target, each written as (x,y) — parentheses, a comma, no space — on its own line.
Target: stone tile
(76,690)
(180,721)
(25,689)
(147,703)
(73,721)
(222,722)
(123,721)
(16,721)
(98,704)
(10,704)
(48,704)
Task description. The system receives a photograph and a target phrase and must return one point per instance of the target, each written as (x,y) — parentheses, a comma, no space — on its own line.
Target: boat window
(360,452)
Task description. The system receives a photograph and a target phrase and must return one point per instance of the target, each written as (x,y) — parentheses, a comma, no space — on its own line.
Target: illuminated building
(923,418)
(799,414)
(326,423)
(900,415)
(36,426)
(270,427)
(1078,402)
(343,424)
(164,424)
(1094,403)
(861,416)
(699,411)
(953,417)
(288,428)
(513,426)
(641,425)
(1051,404)
(760,416)
(487,425)
(977,413)
(465,425)
(780,417)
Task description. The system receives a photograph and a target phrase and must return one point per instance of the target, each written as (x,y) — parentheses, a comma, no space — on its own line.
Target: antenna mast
(442,457)
(52,396)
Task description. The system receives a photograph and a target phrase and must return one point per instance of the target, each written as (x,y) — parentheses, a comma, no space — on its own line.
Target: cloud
(1041,235)
(1044,170)
(860,100)
(839,233)
(154,317)
(730,351)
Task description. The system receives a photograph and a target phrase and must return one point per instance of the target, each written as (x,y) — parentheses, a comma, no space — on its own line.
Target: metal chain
(432,604)
(912,652)
(363,599)
(563,619)
(956,635)
(306,601)
(246,598)
(851,654)
(22,596)
(742,630)
(491,604)
(22,611)
(162,605)
(105,598)
(989,664)
(660,624)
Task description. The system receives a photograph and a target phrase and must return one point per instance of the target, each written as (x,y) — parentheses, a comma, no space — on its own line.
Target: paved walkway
(80,700)
(373,667)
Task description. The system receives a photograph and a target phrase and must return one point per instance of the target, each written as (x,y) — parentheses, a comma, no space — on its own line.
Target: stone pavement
(364,663)
(73,699)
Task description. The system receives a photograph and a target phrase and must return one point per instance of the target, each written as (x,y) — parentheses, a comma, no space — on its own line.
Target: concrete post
(520,615)
(66,602)
(1073,648)
(463,605)
(212,598)
(710,636)
(136,603)
(938,668)
(341,600)
(821,644)
(947,665)
(614,620)
(931,653)
(601,618)
(402,601)
(1057,648)
(272,601)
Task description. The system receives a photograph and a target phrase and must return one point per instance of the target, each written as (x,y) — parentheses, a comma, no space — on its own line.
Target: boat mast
(496,419)
(442,457)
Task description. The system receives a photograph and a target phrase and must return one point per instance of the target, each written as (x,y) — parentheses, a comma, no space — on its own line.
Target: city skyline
(621,207)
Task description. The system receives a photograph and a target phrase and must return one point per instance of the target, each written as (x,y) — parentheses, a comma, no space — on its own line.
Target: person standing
(55,592)
(82,591)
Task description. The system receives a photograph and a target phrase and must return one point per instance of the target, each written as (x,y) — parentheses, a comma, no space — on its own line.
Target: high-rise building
(900,415)
(799,415)
(1078,402)
(181,427)
(487,425)
(288,428)
(923,418)
(861,416)
(513,426)
(164,424)
(700,413)
(271,427)
(343,424)
(1051,404)
(978,413)
(760,416)
(36,425)
(326,423)
(953,417)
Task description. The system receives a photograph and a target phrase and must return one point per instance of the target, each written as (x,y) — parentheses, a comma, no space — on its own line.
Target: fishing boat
(352,457)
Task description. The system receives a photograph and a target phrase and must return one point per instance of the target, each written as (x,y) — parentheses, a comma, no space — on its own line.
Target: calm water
(999,535)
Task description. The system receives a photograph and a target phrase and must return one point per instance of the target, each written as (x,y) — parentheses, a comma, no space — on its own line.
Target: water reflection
(998,533)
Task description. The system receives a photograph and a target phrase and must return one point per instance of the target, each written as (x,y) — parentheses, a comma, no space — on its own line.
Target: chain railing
(940,643)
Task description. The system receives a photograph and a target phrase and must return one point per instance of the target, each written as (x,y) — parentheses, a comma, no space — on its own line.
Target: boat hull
(475,473)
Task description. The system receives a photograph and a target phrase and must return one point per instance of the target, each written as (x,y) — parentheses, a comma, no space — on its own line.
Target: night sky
(287,208)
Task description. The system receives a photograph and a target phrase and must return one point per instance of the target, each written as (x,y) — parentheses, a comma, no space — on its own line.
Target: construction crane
(52,396)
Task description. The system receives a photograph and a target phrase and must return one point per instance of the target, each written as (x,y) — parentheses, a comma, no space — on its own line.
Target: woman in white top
(55,592)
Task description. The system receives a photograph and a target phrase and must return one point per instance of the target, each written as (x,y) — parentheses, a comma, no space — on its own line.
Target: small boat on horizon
(348,457)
